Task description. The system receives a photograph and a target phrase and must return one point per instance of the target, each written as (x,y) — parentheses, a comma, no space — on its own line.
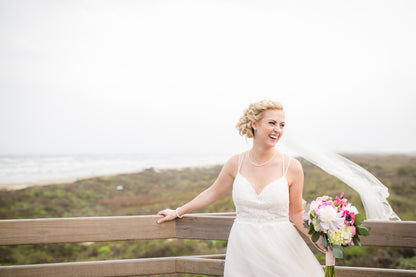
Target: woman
(267,192)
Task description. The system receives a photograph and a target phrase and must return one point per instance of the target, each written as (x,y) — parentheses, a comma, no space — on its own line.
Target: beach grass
(151,190)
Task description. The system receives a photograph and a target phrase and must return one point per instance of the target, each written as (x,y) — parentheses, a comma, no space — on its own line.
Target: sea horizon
(18,171)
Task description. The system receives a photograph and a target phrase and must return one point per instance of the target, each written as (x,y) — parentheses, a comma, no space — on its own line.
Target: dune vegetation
(151,190)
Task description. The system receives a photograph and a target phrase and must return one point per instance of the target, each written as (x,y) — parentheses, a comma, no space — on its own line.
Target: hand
(168,215)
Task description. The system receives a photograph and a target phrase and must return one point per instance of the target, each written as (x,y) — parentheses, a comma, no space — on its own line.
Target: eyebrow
(270,119)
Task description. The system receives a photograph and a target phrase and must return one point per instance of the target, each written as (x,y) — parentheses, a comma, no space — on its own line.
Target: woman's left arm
(295,178)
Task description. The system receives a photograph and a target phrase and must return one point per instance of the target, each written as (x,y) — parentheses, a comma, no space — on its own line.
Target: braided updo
(254,113)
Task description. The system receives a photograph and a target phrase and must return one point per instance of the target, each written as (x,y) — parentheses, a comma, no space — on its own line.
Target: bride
(267,193)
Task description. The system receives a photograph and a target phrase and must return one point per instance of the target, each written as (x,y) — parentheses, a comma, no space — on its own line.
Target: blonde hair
(254,113)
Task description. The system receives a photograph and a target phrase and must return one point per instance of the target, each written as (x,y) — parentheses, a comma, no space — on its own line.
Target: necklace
(260,164)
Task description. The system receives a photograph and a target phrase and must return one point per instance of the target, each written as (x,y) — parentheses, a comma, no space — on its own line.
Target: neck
(260,152)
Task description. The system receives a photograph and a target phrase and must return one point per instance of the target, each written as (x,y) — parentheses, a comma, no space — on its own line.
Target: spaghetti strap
(240,161)
(287,168)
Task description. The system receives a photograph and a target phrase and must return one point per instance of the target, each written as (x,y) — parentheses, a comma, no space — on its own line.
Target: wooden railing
(194,226)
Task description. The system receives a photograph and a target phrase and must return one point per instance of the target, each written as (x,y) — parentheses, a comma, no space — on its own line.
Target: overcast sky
(174,76)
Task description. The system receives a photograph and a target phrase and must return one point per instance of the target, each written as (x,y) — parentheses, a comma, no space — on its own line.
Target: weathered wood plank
(388,233)
(194,265)
(214,214)
(33,231)
(132,267)
(345,271)
(54,230)
(206,227)
(209,264)
(383,233)
(209,256)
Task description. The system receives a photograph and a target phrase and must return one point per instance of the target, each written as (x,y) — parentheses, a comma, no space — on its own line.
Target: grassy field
(151,190)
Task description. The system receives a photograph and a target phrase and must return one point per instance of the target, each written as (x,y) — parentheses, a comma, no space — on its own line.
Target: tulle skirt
(268,249)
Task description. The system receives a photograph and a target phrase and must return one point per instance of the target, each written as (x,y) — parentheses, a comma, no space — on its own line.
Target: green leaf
(325,241)
(315,236)
(359,219)
(329,239)
(356,240)
(366,227)
(337,251)
(362,231)
(311,229)
(305,224)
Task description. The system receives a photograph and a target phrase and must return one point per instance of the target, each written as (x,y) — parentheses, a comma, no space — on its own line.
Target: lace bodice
(263,242)
(268,206)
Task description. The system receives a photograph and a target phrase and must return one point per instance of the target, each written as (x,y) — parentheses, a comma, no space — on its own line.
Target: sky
(159,76)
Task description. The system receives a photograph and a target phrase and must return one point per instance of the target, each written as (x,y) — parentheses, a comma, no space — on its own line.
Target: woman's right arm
(219,188)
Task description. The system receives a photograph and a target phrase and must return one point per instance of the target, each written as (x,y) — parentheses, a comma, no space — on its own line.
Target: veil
(372,192)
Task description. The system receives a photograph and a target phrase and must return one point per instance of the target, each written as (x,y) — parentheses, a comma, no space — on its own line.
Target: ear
(254,125)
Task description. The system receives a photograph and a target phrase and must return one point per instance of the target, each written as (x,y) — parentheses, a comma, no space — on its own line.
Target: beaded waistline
(258,220)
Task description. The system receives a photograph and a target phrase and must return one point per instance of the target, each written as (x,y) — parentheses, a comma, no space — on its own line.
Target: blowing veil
(372,192)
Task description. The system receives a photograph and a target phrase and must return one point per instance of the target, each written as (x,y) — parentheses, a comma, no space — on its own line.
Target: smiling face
(269,129)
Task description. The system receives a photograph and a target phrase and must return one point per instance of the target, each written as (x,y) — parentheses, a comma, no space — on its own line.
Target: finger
(161,220)
(163,212)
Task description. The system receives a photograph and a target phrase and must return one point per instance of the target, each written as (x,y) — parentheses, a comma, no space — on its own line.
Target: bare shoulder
(231,165)
(294,172)
(295,166)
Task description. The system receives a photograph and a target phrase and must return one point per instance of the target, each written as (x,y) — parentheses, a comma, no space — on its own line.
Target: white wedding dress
(263,242)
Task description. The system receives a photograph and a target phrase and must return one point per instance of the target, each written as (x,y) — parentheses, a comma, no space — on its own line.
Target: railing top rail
(193,226)
(83,229)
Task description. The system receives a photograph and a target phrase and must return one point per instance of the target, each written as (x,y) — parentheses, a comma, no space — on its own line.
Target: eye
(282,125)
(272,123)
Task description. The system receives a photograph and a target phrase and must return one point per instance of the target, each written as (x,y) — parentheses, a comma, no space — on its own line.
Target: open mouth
(273,137)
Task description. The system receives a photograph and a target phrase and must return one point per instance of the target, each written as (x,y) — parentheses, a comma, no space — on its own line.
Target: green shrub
(407,263)
(356,251)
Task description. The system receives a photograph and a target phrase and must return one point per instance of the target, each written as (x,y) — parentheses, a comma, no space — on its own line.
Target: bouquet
(338,223)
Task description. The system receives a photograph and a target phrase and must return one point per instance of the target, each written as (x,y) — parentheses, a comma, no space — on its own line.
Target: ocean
(19,171)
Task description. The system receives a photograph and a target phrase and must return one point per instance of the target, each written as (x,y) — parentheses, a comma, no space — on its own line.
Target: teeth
(273,137)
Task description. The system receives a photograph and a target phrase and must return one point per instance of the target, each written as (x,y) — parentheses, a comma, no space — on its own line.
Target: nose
(277,128)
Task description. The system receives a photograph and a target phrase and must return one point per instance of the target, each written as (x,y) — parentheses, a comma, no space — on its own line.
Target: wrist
(178,215)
